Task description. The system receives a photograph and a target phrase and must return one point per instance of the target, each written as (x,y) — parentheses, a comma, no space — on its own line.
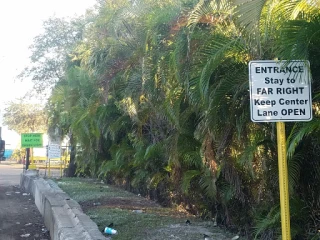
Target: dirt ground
(135,217)
(119,202)
(179,229)
(19,217)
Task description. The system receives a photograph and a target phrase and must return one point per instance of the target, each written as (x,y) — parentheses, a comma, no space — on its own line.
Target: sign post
(281,92)
(31,140)
(283,181)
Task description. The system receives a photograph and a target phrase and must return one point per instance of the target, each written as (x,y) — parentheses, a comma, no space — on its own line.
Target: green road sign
(31,140)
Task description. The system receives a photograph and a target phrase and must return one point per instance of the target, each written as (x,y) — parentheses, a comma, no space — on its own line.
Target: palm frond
(211,12)
(226,192)
(140,175)
(208,184)
(188,176)
(268,222)
(192,159)
(248,13)
(299,131)
(294,170)
(297,37)
(154,151)
(216,52)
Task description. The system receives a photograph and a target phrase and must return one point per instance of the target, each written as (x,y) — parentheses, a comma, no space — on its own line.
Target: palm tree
(292,28)
(159,100)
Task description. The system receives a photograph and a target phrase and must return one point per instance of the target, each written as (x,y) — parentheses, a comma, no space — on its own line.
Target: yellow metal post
(49,169)
(283,181)
(32,165)
(60,167)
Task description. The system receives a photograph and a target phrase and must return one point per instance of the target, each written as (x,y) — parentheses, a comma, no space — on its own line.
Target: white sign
(280,92)
(54,150)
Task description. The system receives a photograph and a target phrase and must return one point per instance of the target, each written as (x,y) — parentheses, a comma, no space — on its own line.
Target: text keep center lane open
(280,92)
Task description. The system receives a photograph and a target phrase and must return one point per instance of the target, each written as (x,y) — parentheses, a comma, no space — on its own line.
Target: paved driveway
(10,173)
(19,216)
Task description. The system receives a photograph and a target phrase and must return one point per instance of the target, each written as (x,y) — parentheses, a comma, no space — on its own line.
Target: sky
(20,22)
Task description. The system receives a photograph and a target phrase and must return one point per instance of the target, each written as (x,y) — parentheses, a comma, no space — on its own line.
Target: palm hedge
(154,97)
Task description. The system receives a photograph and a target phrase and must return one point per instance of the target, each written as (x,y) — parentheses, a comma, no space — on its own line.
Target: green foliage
(155,97)
(25,117)
(267,226)
(50,51)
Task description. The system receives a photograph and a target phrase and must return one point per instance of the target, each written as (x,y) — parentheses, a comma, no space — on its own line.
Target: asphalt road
(10,173)
(19,216)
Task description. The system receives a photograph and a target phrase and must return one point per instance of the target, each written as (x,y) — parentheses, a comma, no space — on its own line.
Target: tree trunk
(71,170)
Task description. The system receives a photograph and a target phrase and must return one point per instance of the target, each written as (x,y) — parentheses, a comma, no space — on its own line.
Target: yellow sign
(31,140)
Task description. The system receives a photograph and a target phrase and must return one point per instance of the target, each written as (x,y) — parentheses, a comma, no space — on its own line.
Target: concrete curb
(63,216)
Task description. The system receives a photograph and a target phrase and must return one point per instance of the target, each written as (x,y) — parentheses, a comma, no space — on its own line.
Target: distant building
(7,154)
